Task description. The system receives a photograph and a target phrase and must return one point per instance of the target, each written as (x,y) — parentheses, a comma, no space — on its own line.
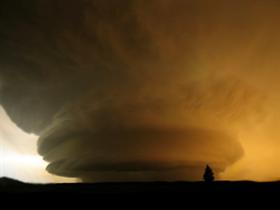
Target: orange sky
(95,73)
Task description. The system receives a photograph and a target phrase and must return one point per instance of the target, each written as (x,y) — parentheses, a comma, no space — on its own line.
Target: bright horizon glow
(18,155)
(19,158)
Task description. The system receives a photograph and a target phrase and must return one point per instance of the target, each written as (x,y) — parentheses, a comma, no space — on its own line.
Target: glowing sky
(18,155)
(140,89)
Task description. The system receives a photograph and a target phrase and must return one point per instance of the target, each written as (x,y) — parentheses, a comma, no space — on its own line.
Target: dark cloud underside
(141,87)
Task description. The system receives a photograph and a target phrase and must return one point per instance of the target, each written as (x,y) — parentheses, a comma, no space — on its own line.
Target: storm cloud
(133,90)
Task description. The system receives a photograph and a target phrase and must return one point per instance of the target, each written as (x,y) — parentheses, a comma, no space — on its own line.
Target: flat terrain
(9,186)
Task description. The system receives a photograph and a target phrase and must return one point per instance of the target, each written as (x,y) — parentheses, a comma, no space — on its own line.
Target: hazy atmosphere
(132,90)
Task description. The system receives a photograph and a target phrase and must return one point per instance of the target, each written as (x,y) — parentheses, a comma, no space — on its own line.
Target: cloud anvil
(136,89)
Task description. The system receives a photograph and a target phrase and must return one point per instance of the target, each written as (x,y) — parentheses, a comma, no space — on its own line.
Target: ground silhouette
(141,188)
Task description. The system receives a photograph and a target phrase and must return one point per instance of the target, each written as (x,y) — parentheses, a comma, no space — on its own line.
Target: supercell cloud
(133,90)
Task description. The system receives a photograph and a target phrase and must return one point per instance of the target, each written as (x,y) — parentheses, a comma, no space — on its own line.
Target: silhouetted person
(208,175)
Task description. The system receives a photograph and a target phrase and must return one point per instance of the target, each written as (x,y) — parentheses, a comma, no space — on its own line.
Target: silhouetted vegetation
(186,190)
(208,175)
